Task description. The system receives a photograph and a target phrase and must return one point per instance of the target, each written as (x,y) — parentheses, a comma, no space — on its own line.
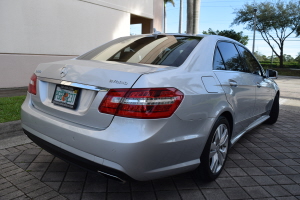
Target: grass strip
(10,108)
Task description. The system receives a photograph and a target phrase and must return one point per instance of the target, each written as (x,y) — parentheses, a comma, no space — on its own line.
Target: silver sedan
(150,106)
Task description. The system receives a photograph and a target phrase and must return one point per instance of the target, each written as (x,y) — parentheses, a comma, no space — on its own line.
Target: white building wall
(16,70)
(138,7)
(59,27)
(35,31)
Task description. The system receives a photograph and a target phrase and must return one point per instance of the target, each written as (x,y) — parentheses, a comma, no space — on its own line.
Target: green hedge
(266,64)
(285,71)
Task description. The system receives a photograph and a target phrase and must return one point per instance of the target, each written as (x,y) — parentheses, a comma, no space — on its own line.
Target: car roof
(210,37)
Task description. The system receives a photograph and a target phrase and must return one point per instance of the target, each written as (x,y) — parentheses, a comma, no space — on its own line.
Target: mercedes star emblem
(63,72)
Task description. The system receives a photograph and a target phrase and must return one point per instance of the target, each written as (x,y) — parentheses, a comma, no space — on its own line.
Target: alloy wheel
(218,148)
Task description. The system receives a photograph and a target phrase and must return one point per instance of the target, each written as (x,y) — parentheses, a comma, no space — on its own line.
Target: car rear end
(99,112)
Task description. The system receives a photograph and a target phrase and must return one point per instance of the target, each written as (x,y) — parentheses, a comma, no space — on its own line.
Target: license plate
(66,96)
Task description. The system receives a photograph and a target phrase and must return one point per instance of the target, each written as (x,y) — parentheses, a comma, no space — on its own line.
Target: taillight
(145,103)
(32,84)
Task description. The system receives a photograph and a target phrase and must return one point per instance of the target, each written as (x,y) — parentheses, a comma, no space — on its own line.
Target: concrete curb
(10,127)
(12,92)
(11,134)
(15,88)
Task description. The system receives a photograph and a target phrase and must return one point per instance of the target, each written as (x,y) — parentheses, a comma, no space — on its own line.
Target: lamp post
(254,29)
(180,16)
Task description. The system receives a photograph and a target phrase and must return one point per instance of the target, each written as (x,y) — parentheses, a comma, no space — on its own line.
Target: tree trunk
(193,12)
(180,17)
(165,18)
(281,56)
(196,14)
(190,11)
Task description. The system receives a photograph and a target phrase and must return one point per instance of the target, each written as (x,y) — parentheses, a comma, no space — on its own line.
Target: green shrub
(276,65)
(285,71)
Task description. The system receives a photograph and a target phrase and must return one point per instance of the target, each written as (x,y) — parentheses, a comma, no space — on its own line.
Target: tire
(274,111)
(215,151)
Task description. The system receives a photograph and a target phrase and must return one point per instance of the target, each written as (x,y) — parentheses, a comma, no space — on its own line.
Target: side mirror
(270,73)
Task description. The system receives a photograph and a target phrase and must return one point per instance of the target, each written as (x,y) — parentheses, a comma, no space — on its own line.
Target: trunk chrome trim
(50,80)
(78,85)
(88,87)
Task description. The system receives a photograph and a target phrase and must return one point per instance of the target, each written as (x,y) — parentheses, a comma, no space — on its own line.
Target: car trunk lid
(93,79)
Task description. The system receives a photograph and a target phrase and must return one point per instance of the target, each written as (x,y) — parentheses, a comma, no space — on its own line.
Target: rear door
(238,86)
(263,91)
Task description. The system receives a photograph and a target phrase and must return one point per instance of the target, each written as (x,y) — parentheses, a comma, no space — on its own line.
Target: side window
(231,56)
(253,65)
(218,61)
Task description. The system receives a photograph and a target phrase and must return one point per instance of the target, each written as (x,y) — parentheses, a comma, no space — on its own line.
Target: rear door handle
(232,83)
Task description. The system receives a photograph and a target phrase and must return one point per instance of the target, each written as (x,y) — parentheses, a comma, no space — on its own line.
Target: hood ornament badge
(63,72)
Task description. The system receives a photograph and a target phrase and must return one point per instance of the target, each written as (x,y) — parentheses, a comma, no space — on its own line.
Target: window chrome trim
(78,85)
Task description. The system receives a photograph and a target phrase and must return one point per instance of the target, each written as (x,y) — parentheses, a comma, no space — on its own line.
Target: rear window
(156,49)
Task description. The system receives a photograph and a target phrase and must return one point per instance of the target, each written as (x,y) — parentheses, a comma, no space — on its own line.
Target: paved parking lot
(264,164)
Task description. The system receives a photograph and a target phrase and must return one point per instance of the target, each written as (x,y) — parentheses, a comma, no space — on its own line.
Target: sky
(218,15)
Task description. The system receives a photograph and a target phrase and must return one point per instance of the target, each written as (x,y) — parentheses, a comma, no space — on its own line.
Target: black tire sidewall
(274,113)
(204,168)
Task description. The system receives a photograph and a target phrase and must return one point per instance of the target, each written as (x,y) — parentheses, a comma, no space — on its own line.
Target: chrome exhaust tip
(111,177)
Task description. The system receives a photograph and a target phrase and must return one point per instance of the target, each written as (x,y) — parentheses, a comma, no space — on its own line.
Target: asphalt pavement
(263,164)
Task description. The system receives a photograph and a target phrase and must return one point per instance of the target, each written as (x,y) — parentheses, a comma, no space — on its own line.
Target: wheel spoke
(213,146)
(218,135)
(221,158)
(223,153)
(224,138)
(212,153)
(214,164)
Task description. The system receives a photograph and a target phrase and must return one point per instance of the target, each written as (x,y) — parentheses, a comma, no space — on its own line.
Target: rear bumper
(77,160)
(140,149)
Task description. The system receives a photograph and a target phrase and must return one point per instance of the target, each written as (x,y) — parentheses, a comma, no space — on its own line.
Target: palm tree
(165,14)
(193,12)
(189,13)
(180,17)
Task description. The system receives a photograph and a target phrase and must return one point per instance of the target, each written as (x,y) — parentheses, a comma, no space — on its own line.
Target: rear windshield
(167,50)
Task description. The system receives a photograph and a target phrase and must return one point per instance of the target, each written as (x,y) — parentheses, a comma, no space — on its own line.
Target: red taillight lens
(112,100)
(145,103)
(32,84)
